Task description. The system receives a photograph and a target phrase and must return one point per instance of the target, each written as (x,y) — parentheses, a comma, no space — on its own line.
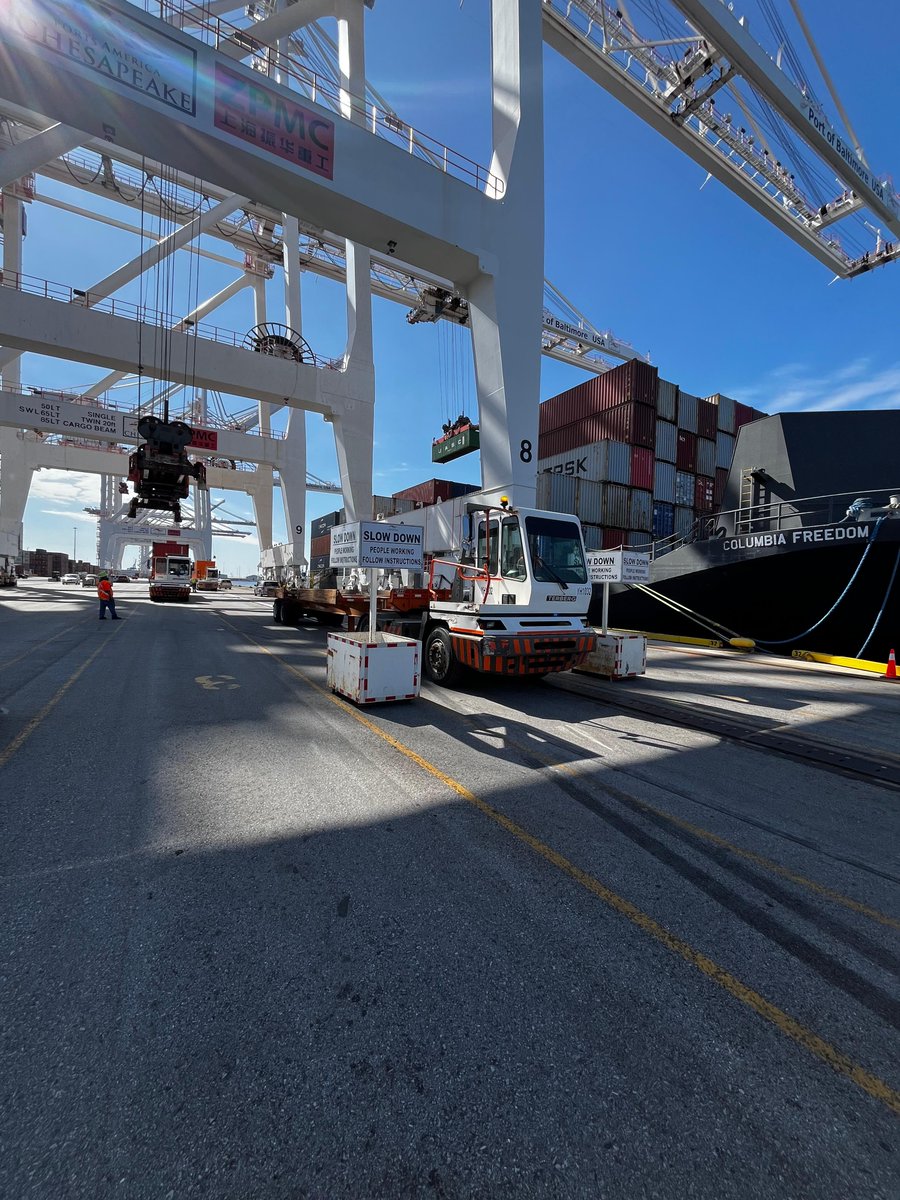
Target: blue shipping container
(663,520)
(664,482)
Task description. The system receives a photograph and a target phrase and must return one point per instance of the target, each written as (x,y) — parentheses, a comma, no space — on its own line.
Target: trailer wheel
(440,663)
(290,612)
(276,612)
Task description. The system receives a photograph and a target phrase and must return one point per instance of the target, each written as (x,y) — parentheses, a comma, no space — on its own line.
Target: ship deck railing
(770,517)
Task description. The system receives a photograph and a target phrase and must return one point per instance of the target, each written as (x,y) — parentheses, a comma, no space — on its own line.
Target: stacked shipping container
(418,496)
(634,456)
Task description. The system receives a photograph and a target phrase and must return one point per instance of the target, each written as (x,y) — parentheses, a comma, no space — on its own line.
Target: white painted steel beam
(47,413)
(104,462)
(721,27)
(563,38)
(42,326)
(505,307)
(33,152)
(271,29)
(378,193)
(178,238)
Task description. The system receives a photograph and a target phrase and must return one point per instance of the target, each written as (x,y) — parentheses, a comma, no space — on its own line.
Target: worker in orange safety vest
(105,592)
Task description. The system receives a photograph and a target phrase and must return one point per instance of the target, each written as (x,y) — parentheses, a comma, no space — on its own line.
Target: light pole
(74,546)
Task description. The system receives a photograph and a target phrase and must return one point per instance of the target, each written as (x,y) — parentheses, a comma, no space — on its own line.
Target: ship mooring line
(821,1049)
(28,729)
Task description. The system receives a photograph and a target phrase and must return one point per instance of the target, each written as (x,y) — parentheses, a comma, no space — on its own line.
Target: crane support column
(354,429)
(261,497)
(505,300)
(15,471)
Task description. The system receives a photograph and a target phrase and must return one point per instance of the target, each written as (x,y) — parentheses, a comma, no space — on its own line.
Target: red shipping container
(320,545)
(643,462)
(633,381)
(170,550)
(429,492)
(707,419)
(719,489)
(704,494)
(686,451)
(632,423)
(614,538)
(743,414)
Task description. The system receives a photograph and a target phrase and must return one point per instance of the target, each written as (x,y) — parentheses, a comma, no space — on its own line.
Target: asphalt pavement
(500,941)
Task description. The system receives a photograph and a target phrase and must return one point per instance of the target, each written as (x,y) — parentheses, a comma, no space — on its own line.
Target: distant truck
(206,576)
(170,571)
(8,575)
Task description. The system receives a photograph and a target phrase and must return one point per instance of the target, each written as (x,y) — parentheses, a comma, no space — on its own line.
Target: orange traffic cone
(891,672)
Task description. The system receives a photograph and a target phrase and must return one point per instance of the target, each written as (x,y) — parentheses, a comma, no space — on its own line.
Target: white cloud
(72,516)
(798,387)
(71,490)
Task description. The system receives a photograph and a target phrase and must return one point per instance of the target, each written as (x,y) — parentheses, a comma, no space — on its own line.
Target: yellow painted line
(758,859)
(31,649)
(871,1084)
(833,660)
(25,733)
(707,835)
(775,868)
(682,641)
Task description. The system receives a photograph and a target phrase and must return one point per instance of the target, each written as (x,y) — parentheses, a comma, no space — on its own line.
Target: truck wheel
(440,663)
(277,616)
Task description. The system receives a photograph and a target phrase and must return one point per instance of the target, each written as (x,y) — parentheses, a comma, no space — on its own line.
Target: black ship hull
(776,588)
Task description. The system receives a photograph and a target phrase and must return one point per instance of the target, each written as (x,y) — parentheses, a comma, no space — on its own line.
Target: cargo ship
(803,552)
(756,524)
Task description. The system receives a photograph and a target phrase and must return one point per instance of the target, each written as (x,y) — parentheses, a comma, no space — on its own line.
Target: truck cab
(518,598)
(170,575)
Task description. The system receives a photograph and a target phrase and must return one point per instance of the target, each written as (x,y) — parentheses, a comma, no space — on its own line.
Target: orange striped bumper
(538,653)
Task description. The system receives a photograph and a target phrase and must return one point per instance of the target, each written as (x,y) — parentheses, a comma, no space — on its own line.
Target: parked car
(54,578)
(70,577)
(121,579)
(265,587)
(89,581)
(224,585)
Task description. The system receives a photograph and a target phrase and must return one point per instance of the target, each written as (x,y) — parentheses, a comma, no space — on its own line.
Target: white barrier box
(373,668)
(617,656)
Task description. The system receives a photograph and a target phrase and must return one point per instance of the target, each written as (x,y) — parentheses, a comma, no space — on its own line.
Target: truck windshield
(555,548)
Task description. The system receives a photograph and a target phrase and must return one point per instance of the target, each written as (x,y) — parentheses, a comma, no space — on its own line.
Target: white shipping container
(666,440)
(542,500)
(664,482)
(615,505)
(687,411)
(562,494)
(606,461)
(725,405)
(684,520)
(706,456)
(640,511)
(724,449)
(589,501)
(684,490)
(593,537)
(667,400)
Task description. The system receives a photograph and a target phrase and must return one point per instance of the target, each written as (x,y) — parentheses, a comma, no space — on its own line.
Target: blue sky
(719,298)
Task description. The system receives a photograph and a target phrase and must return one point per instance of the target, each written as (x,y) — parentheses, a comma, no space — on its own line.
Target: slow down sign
(377,545)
